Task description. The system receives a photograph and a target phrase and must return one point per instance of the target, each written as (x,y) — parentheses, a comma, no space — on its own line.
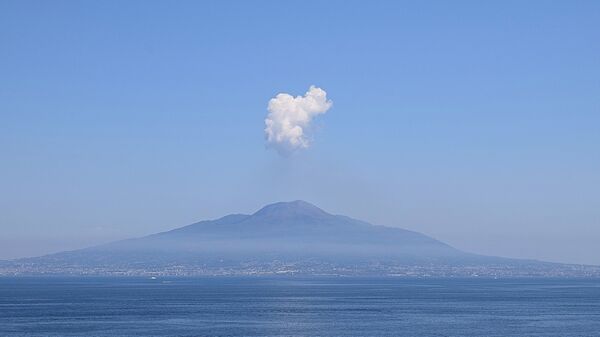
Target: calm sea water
(298,307)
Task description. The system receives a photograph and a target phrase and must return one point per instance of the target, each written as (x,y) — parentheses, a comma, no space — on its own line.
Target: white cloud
(289,118)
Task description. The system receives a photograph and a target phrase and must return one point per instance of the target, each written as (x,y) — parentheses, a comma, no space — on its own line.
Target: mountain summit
(297,208)
(284,237)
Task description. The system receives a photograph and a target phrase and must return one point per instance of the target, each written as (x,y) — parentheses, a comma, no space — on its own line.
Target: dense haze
(474,123)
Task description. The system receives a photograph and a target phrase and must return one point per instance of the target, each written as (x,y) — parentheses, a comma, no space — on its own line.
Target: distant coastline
(287,238)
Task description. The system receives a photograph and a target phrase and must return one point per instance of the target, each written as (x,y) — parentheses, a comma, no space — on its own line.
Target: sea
(298,306)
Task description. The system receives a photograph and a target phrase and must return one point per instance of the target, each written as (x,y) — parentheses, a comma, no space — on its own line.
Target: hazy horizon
(477,124)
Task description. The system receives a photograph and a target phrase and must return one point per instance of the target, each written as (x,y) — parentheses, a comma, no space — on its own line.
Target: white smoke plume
(289,118)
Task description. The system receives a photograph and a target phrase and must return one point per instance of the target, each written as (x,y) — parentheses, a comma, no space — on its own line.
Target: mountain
(284,238)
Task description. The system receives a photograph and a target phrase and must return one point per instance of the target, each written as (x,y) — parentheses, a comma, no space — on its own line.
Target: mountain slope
(290,230)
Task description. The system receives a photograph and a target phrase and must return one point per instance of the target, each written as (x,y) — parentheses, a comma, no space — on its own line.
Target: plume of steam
(289,118)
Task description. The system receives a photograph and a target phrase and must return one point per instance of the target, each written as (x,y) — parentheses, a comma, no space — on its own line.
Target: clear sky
(477,123)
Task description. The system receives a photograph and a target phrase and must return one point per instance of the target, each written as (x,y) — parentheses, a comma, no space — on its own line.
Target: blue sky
(476,123)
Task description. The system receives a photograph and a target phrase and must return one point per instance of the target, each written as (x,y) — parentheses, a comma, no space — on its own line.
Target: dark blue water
(298,307)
